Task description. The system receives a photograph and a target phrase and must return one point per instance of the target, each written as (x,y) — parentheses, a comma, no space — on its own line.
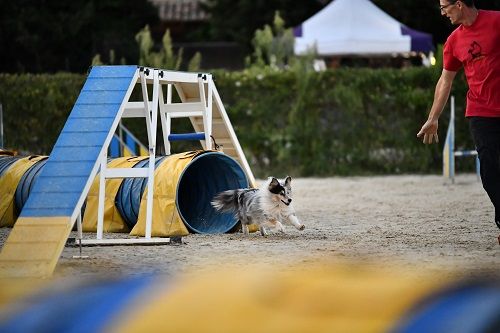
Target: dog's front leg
(263,231)
(280,227)
(277,225)
(244,228)
(295,221)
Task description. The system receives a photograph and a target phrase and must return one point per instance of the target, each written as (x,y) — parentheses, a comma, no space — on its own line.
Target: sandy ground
(420,223)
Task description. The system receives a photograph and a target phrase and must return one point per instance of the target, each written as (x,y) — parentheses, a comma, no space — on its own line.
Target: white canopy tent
(357,27)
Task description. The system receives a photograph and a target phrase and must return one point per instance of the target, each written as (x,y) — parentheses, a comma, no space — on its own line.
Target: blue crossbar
(465,153)
(187,137)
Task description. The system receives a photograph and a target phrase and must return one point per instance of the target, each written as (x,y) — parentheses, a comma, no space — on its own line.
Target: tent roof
(357,27)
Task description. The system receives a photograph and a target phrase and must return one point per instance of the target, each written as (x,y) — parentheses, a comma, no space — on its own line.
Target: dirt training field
(420,223)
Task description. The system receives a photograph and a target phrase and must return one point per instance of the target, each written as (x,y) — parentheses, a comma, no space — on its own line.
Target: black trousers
(485,132)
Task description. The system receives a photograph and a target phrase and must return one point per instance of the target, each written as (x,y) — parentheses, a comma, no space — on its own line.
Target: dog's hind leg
(295,221)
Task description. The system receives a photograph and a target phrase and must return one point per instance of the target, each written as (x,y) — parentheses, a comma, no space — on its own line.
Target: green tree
(227,16)
(49,35)
(273,46)
(165,57)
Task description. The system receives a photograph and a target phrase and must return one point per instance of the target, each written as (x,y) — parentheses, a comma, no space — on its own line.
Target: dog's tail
(226,201)
(234,200)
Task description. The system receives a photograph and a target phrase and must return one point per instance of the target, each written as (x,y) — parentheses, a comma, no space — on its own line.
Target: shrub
(339,122)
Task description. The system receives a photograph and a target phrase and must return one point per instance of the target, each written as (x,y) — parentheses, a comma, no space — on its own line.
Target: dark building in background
(186,21)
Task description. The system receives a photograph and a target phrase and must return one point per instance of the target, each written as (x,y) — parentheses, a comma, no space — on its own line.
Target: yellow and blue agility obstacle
(56,200)
(323,298)
(184,185)
(449,152)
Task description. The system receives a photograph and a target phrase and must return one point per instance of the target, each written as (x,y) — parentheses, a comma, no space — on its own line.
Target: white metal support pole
(80,235)
(79,227)
(102,191)
(152,153)
(147,109)
(165,118)
(208,133)
(209,108)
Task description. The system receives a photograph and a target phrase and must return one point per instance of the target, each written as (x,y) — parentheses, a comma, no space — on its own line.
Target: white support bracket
(149,110)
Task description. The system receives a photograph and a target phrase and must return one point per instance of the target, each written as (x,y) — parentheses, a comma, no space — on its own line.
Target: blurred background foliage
(347,121)
(39,36)
(341,122)
(46,36)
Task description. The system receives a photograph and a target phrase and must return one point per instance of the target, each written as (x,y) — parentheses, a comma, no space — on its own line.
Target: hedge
(338,122)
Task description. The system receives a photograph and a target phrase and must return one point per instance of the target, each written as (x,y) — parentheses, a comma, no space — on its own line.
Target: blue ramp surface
(35,243)
(76,152)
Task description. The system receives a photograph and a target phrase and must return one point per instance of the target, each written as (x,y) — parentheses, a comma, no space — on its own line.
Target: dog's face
(281,190)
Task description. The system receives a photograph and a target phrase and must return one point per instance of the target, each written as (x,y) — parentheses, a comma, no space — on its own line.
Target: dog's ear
(288,181)
(274,186)
(274,181)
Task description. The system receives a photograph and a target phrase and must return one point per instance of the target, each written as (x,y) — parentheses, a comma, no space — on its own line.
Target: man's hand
(429,132)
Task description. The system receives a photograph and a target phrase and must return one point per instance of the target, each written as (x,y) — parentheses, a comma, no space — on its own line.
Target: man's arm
(441,94)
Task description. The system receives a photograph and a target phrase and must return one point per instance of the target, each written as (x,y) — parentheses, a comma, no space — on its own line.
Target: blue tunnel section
(128,198)
(204,177)
(6,161)
(207,175)
(26,183)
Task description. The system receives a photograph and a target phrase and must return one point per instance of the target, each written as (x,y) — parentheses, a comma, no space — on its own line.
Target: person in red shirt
(475,46)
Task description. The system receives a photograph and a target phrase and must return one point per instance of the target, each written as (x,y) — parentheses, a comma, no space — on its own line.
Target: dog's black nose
(289,200)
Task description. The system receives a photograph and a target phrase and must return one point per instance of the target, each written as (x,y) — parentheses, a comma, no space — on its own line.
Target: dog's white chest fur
(274,207)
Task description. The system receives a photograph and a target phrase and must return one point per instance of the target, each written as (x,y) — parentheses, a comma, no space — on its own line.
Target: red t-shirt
(477,49)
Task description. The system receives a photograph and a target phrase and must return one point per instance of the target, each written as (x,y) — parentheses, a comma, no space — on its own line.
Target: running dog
(266,206)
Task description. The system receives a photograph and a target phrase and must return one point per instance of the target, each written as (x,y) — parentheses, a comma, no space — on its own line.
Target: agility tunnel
(109,94)
(323,298)
(184,186)
(17,174)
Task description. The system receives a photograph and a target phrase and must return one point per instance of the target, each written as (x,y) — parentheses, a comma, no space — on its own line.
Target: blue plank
(88,124)
(74,156)
(60,184)
(94,111)
(40,212)
(55,200)
(67,139)
(112,71)
(107,84)
(101,97)
(66,168)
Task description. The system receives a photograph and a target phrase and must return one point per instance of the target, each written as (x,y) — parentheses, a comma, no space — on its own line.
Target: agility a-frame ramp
(38,238)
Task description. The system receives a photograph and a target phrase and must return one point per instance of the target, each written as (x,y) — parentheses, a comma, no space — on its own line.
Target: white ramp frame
(149,110)
(202,106)
(186,108)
